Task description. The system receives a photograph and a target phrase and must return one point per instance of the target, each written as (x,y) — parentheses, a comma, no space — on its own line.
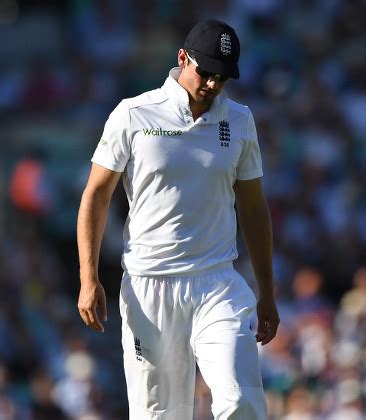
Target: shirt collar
(218,110)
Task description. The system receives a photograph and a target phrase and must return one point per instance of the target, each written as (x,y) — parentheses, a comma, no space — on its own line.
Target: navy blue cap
(216,47)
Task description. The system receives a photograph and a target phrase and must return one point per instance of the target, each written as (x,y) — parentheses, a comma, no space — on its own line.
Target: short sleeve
(250,162)
(113,150)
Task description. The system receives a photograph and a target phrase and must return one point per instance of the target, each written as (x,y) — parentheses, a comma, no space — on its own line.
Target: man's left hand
(268,320)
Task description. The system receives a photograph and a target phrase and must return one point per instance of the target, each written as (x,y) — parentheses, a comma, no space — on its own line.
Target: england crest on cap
(225,44)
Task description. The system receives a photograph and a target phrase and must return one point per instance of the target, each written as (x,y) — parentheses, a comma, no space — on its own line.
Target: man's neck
(197,108)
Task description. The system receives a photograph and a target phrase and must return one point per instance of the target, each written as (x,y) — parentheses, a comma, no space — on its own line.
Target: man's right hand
(92,301)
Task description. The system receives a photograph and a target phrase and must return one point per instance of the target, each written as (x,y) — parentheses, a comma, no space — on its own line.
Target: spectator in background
(308,299)
(353,301)
(30,186)
(301,405)
(43,89)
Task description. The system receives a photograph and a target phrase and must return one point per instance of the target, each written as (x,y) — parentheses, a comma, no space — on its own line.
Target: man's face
(202,90)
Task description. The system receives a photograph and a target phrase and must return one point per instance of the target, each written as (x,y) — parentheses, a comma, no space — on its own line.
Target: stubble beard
(204,99)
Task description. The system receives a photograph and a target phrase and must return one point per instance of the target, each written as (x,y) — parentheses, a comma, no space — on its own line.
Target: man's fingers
(103,308)
(95,323)
(91,319)
(268,320)
(84,316)
(266,334)
(261,335)
(92,301)
(268,337)
(262,330)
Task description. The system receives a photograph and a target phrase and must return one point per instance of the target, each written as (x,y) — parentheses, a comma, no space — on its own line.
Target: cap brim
(212,65)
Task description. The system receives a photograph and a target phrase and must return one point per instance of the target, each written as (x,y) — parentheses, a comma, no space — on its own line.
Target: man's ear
(182,58)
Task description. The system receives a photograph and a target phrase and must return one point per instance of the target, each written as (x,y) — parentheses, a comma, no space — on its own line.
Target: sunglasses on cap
(206,74)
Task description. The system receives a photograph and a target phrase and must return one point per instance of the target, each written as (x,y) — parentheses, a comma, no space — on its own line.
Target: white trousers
(169,324)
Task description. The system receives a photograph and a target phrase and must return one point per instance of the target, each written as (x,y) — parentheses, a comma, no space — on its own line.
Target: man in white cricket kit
(187,154)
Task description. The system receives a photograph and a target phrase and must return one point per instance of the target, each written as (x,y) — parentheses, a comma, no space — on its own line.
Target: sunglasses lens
(206,75)
(223,79)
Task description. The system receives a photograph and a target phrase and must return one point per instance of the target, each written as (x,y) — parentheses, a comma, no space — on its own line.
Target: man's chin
(205,94)
(202,96)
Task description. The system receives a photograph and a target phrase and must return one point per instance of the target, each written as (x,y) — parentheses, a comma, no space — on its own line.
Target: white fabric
(169,323)
(178,176)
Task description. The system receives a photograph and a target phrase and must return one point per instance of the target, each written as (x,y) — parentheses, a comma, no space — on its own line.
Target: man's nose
(213,83)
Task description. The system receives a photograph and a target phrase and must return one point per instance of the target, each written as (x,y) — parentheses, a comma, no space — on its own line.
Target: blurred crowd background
(64,66)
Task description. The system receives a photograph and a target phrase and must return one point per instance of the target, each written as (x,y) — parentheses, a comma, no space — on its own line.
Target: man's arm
(255,223)
(90,228)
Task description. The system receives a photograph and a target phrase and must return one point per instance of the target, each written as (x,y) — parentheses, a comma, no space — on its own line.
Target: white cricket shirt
(179,176)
